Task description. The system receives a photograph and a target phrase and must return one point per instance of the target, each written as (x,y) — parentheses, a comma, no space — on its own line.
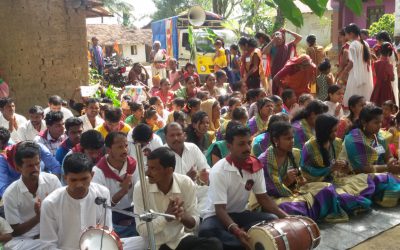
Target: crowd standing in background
(269,134)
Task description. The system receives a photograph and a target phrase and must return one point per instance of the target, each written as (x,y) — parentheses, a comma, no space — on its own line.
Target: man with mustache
(11,120)
(22,199)
(171,193)
(115,171)
(190,160)
(231,180)
(34,126)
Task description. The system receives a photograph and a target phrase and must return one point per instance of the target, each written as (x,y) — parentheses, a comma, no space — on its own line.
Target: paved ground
(388,240)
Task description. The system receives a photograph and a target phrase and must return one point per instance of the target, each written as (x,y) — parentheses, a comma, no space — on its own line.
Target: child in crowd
(192,106)
(137,114)
(175,76)
(223,103)
(388,117)
(156,85)
(278,104)
(222,85)
(384,73)
(235,63)
(177,105)
(190,70)
(165,93)
(254,96)
(240,87)
(219,58)
(151,119)
(324,80)
(334,101)
(232,104)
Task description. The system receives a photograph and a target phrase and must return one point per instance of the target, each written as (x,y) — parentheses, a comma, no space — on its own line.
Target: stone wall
(43,50)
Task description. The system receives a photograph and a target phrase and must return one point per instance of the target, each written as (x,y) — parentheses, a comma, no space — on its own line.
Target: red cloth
(166,99)
(121,125)
(9,154)
(78,149)
(251,164)
(383,88)
(280,55)
(108,173)
(297,74)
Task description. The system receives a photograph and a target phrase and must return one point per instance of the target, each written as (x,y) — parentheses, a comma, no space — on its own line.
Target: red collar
(121,126)
(108,173)
(251,164)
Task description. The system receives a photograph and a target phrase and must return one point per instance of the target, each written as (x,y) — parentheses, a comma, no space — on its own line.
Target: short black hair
(36,110)
(165,156)
(77,163)
(7,100)
(113,114)
(91,101)
(262,35)
(135,106)
(4,136)
(72,122)
(220,73)
(3,102)
(26,149)
(172,124)
(324,65)
(311,39)
(55,100)
(179,101)
(364,32)
(53,117)
(111,137)
(92,139)
(236,86)
(142,133)
(287,94)
(153,100)
(238,130)
(239,113)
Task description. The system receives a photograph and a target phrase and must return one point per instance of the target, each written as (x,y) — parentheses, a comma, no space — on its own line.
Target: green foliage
(256,16)
(118,7)
(386,22)
(170,8)
(94,77)
(192,43)
(112,93)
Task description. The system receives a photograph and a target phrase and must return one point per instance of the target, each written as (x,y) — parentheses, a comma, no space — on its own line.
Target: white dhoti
(27,244)
(134,243)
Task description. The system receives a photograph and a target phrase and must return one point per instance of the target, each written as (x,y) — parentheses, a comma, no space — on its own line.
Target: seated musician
(23,197)
(283,179)
(117,172)
(231,180)
(175,194)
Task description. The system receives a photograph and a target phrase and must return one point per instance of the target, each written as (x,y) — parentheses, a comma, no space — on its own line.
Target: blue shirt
(8,175)
(63,149)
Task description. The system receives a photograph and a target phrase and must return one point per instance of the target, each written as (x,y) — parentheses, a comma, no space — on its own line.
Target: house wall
(141,52)
(320,27)
(43,50)
(361,21)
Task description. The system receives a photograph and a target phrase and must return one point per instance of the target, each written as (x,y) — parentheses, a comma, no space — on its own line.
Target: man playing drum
(231,180)
(69,210)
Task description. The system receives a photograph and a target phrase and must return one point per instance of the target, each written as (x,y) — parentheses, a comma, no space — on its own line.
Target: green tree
(170,8)
(120,6)
(386,22)
(225,7)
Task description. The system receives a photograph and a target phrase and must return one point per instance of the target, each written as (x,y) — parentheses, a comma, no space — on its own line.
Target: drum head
(261,239)
(91,240)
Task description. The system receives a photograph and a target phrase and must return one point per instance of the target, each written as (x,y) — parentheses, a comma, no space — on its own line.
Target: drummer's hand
(192,173)
(126,184)
(244,239)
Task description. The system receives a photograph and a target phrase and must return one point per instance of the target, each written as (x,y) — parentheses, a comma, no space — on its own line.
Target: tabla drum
(291,233)
(92,237)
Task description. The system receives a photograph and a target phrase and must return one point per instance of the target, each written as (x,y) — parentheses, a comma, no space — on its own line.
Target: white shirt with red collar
(51,143)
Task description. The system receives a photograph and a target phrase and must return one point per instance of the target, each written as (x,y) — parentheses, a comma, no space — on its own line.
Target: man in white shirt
(144,135)
(23,197)
(34,126)
(69,210)
(55,104)
(54,134)
(174,194)
(116,172)
(231,180)
(92,118)
(190,160)
(10,120)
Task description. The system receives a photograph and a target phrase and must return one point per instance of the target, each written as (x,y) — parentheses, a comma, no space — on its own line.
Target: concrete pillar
(43,50)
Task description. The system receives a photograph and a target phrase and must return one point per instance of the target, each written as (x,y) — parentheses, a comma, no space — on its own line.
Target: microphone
(100,200)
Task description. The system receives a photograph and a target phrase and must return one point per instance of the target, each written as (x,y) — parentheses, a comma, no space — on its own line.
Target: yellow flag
(116,48)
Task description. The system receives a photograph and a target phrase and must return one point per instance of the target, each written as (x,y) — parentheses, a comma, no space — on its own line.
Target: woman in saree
(197,131)
(367,152)
(213,110)
(303,122)
(320,163)
(259,122)
(262,141)
(317,200)
(355,104)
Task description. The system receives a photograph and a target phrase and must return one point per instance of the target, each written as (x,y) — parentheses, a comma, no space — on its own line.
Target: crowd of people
(268,135)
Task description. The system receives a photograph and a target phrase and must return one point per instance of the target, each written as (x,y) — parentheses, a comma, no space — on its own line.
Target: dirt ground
(388,240)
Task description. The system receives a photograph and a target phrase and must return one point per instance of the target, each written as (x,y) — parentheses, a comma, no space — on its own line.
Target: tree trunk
(279,20)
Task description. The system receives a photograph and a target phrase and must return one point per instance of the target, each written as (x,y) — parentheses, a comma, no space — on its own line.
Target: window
(374,13)
(133,50)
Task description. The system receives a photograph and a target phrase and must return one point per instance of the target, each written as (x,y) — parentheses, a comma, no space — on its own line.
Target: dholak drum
(294,233)
(92,237)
